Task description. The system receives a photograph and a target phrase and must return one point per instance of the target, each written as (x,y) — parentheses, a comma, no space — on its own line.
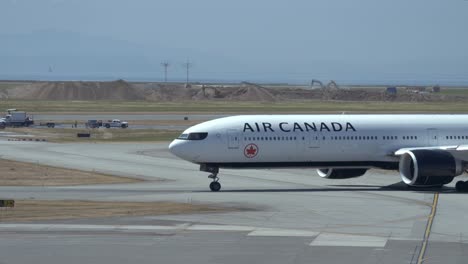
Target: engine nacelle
(424,167)
(330,173)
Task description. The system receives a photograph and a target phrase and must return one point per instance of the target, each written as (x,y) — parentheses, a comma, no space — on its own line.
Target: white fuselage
(316,140)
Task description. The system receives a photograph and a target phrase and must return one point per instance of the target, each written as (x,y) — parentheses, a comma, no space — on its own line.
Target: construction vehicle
(318,82)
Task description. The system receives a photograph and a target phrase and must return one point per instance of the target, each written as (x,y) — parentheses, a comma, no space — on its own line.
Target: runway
(280,216)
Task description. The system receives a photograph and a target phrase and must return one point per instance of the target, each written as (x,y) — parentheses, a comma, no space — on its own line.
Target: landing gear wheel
(461,186)
(215,186)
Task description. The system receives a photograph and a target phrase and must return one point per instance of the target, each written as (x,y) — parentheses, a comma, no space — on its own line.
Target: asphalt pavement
(278,216)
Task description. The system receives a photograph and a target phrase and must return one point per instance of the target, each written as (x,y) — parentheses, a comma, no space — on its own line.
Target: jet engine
(424,167)
(331,173)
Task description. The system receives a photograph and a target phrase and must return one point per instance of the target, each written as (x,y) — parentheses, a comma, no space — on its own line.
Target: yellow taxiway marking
(428,228)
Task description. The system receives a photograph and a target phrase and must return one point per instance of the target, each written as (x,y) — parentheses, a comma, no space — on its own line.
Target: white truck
(115,123)
(16,118)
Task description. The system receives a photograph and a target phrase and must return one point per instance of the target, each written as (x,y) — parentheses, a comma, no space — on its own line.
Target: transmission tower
(187,67)
(166,65)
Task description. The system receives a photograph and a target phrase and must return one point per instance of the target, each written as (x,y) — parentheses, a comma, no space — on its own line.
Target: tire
(215,186)
(124,126)
(107,126)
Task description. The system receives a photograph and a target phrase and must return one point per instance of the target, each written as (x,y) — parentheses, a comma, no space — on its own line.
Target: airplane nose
(176,148)
(173,146)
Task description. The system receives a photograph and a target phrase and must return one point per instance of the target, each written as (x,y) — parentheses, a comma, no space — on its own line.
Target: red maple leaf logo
(250,150)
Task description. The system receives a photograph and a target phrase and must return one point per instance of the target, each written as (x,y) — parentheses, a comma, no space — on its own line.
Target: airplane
(427,150)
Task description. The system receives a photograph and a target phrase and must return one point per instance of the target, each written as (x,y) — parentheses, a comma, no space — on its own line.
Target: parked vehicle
(115,123)
(16,118)
(48,124)
(94,123)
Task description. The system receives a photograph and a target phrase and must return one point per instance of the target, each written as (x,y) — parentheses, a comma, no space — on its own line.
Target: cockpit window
(194,136)
(183,136)
(197,136)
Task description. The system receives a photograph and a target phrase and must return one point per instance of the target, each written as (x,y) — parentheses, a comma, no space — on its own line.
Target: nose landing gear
(214,185)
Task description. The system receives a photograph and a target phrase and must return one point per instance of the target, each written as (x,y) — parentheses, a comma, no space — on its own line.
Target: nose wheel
(214,185)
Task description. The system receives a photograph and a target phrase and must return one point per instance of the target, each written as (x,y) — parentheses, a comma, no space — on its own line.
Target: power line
(166,65)
(187,66)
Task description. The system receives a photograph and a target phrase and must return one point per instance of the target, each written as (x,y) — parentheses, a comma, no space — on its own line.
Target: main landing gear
(461,186)
(214,185)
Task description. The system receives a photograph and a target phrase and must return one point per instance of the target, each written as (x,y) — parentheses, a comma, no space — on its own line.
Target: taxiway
(280,216)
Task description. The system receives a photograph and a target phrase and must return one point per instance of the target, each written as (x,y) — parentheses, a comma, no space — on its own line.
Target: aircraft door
(433,137)
(233,139)
(314,140)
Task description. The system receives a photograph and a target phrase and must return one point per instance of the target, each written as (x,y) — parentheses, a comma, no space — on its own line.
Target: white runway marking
(346,240)
(282,232)
(220,228)
(254,231)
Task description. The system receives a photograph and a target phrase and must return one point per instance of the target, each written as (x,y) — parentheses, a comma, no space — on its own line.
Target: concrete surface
(286,216)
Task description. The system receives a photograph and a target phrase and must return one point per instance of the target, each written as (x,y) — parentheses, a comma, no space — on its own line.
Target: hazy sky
(344,40)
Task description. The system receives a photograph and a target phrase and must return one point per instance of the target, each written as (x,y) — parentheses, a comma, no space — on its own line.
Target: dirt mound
(177,92)
(116,90)
(169,92)
(252,92)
